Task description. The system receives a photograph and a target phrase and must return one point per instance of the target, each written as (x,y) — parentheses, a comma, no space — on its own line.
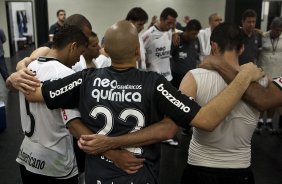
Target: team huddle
(119,114)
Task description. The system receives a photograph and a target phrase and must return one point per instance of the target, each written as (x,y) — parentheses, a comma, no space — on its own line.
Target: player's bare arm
(23,80)
(259,97)
(42,51)
(96,144)
(121,158)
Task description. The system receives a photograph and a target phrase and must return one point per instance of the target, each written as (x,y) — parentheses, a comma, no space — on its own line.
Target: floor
(266,149)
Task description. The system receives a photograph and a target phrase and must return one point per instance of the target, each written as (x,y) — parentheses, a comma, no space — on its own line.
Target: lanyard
(273,44)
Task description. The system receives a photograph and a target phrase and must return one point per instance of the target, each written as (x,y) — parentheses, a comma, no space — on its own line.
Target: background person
(54,28)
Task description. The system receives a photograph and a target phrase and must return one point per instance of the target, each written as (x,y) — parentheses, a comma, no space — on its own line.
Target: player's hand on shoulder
(22,64)
(252,71)
(23,80)
(260,32)
(175,39)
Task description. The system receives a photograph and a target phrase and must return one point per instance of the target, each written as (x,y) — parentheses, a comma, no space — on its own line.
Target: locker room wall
(104,13)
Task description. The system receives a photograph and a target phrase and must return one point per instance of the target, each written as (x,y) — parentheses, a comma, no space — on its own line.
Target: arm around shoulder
(35,96)
(220,106)
(263,98)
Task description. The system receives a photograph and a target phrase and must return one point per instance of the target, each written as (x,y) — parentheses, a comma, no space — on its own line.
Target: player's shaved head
(121,41)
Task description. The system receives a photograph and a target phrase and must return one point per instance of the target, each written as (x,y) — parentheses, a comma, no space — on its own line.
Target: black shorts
(205,175)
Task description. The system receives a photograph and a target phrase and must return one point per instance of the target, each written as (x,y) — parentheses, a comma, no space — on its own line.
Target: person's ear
(214,47)
(241,49)
(73,47)
(105,51)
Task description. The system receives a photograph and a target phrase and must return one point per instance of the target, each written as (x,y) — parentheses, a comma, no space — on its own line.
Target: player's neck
(160,27)
(57,55)
(247,32)
(232,58)
(61,23)
(89,62)
(118,65)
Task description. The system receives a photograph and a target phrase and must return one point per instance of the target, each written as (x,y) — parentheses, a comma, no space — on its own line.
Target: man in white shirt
(205,34)
(157,43)
(46,153)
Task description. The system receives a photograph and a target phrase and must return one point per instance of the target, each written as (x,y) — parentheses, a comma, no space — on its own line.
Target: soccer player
(87,59)
(157,43)
(46,153)
(157,46)
(205,34)
(121,99)
(223,155)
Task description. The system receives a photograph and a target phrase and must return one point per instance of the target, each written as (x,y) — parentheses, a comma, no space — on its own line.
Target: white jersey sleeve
(69,114)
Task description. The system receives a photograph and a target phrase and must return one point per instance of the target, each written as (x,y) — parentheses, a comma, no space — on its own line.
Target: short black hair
(69,34)
(78,20)
(228,37)
(193,25)
(137,14)
(60,10)
(276,23)
(249,13)
(168,12)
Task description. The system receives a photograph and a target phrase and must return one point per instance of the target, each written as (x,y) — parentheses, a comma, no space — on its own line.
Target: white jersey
(47,148)
(204,39)
(81,64)
(157,45)
(229,145)
(103,61)
(141,64)
(270,55)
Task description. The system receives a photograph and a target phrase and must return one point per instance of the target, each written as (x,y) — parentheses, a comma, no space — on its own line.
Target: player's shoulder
(149,74)
(202,71)
(45,62)
(147,34)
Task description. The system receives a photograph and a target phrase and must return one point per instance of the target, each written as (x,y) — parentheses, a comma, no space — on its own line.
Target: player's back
(121,102)
(46,136)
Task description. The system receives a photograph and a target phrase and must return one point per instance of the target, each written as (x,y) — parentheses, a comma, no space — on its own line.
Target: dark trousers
(204,175)
(3,68)
(80,156)
(280,122)
(176,79)
(32,178)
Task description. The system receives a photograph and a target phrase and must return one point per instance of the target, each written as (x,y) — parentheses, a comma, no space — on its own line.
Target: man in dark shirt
(61,15)
(252,40)
(185,56)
